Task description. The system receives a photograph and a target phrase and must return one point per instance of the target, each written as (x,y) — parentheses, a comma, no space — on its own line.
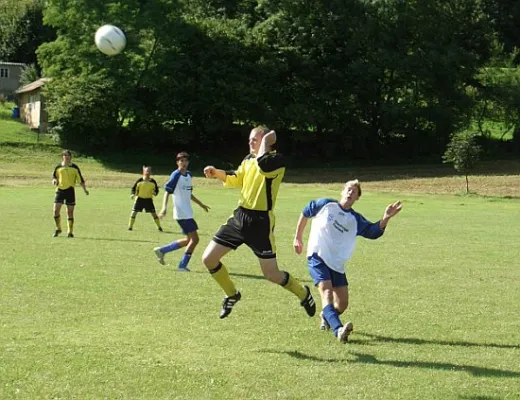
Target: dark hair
(66,153)
(182,154)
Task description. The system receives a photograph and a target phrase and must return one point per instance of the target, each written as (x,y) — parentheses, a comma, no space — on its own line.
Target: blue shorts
(187,225)
(321,272)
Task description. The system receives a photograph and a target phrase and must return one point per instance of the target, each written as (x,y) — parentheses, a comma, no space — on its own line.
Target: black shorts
(67,196)
(144,204)
(250,227)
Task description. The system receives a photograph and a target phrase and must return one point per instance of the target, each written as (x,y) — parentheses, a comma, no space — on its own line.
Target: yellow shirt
(259,180)
(145,189)
(67,176)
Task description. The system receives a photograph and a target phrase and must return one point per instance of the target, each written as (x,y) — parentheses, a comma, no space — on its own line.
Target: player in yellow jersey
(259,177)
(144,190)
(66,175)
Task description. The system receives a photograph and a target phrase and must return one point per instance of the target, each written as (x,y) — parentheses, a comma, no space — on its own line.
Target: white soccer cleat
(345,331)
(159,254)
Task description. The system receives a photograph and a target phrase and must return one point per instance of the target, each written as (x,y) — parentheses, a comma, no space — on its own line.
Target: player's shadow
(302,356)
(259,277)
(116,240)
(370,337)
(362,358)
(479,397)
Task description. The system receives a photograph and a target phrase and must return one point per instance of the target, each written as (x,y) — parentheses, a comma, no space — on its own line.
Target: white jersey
(180,186)
(334,230)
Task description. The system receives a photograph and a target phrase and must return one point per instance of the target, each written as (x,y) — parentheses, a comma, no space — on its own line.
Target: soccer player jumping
(331,242)
(259,177)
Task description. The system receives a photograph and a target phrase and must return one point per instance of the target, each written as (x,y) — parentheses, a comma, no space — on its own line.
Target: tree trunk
(467,185)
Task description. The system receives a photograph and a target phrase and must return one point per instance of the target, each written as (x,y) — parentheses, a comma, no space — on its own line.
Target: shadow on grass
(302,356)
(115,240)
(362,358)
(478,397)
(387,339)
(396,172)
(259,277)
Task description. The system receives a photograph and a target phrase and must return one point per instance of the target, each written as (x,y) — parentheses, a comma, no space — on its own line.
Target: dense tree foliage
(355,78)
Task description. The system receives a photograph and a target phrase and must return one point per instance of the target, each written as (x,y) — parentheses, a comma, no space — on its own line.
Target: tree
(463,152)
(30,73)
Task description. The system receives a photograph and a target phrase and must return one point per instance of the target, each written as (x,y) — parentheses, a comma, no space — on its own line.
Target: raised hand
(393,209)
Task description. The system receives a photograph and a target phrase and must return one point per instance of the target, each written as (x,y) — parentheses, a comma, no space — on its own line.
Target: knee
(194,240)
(327,296)
(209,260)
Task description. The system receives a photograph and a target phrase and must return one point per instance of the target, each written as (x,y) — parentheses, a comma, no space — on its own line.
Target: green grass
(434,305)
(434,302)
(14,131)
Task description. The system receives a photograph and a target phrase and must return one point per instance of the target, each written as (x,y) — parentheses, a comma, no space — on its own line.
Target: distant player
(331,242)
(143,191)
(259,177)
(181,187)
(66,175)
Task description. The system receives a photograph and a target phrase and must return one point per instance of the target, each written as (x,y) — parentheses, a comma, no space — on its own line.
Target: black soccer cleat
(308,303)
(160,229)
(56,233)
(228,303)
(129,228)
(70,235)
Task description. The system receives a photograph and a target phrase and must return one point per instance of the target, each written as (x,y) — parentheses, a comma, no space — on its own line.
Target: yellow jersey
(145,189)
(259,180)
(67,176)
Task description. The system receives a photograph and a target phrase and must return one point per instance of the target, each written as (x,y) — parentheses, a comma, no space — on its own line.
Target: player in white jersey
(331,242)
(180,186)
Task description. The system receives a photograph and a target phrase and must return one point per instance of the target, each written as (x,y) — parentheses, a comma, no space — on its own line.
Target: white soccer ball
(110,40)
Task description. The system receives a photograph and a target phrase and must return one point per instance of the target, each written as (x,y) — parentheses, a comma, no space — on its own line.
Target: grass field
(435,302)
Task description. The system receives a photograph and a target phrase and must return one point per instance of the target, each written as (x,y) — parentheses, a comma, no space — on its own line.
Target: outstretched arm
(213,173)
(391,211)
(375,230)
(200,203)
(298,237)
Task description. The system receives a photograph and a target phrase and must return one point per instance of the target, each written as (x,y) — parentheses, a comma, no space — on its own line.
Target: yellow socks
(157,222)
(294,286)
(221,275)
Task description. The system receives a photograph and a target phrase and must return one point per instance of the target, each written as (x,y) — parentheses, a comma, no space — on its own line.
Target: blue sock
(185,260)
(170,247)
(332,317)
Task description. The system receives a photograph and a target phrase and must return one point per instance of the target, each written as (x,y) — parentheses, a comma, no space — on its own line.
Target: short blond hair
(354,182)
(262,129)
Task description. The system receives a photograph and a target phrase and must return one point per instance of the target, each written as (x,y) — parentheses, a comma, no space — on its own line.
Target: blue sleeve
(366,228)
(172,182)
(314,207)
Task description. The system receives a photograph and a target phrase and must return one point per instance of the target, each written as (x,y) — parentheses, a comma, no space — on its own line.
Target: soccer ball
(110,40)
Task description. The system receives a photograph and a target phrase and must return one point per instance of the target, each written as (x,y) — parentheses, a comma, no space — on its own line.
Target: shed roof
(32,86)
(12,63)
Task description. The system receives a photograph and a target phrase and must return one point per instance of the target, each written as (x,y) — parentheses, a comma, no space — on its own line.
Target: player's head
(147,171)
(351,192)
(66,155)
(183,160)
(255,138)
